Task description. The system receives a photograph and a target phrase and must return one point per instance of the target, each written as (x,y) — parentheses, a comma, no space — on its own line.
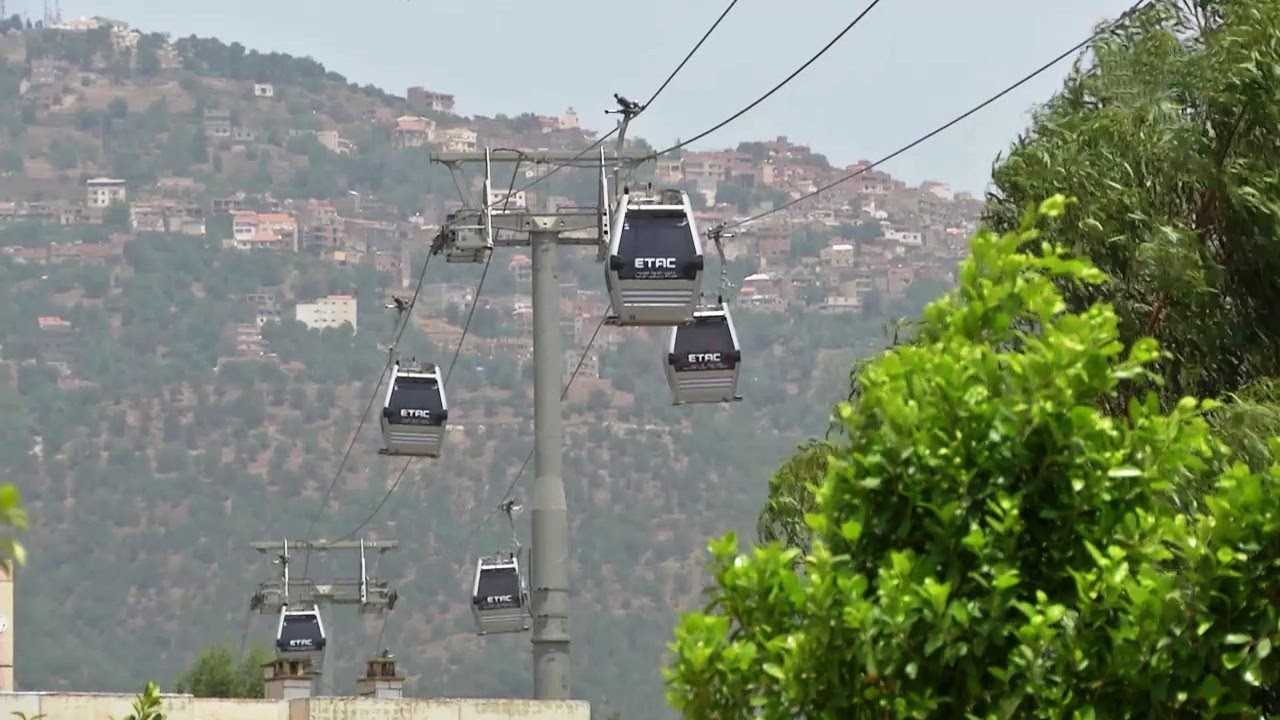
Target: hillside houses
(421,99)
(413,131)
(458,139)
(252,230)
(858,245)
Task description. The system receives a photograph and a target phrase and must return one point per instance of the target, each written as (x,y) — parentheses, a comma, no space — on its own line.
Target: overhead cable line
(378,508)
(1133,9)
(945,126)
(685,143)
(475,300)
(373,397)
(643,106)
(515,480)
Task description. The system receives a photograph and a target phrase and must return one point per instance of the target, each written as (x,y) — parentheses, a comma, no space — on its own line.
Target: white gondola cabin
(300,632)
(498,598)
(654,269)
(704,358)
(415,412)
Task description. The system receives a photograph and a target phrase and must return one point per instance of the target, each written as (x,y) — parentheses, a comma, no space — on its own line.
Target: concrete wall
(6,626)
(105,706)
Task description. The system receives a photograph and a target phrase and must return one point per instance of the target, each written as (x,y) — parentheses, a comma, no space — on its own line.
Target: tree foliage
(990,543)
(791,496)
(217,673)
(1168,140)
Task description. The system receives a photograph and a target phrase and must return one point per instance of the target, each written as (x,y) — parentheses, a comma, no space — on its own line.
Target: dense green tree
(1190,245)
(734,194)
(217,673)
(791,496)
(807,242)
(1168,140)
(149,47)
(989,543)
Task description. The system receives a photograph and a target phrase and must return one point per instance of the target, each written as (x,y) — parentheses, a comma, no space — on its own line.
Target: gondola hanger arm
(628,109)
(717,235)
(511,508)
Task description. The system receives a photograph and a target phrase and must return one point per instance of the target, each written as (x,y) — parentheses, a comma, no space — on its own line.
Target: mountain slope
(150,460)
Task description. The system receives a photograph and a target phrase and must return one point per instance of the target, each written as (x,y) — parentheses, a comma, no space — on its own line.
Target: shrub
(987,543)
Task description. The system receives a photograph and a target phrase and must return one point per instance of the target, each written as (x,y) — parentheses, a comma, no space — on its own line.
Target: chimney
(380,679)
(288,679)
(6,626)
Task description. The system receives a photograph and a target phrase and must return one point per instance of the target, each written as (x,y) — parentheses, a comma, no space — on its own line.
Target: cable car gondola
(300,632)
(498,598)
(703,358)
(415,412)
(654,271)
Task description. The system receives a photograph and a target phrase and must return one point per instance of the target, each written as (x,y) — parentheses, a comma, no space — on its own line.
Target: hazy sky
(909,66)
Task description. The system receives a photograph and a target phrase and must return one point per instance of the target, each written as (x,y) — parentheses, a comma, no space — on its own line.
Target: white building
(460,139)
(328,312)
(910,238)
(104,192)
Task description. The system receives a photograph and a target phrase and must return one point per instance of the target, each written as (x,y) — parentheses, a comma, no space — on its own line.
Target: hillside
(185,115)
(163,408)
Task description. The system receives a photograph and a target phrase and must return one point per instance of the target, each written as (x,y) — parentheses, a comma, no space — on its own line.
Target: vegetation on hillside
(154,457)
(122,113)
(988,542)
(183,460)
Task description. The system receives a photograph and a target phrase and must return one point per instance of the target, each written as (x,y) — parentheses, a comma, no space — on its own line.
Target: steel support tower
(371,595)
(544,232)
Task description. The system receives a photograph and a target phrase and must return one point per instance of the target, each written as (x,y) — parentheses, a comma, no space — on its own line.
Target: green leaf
(1006,580)
(851,530)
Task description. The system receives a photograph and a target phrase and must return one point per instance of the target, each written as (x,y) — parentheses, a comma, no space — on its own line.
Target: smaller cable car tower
(298,602)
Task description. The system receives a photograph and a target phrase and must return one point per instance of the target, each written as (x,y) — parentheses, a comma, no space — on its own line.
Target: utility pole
(549,552)
(370,594)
